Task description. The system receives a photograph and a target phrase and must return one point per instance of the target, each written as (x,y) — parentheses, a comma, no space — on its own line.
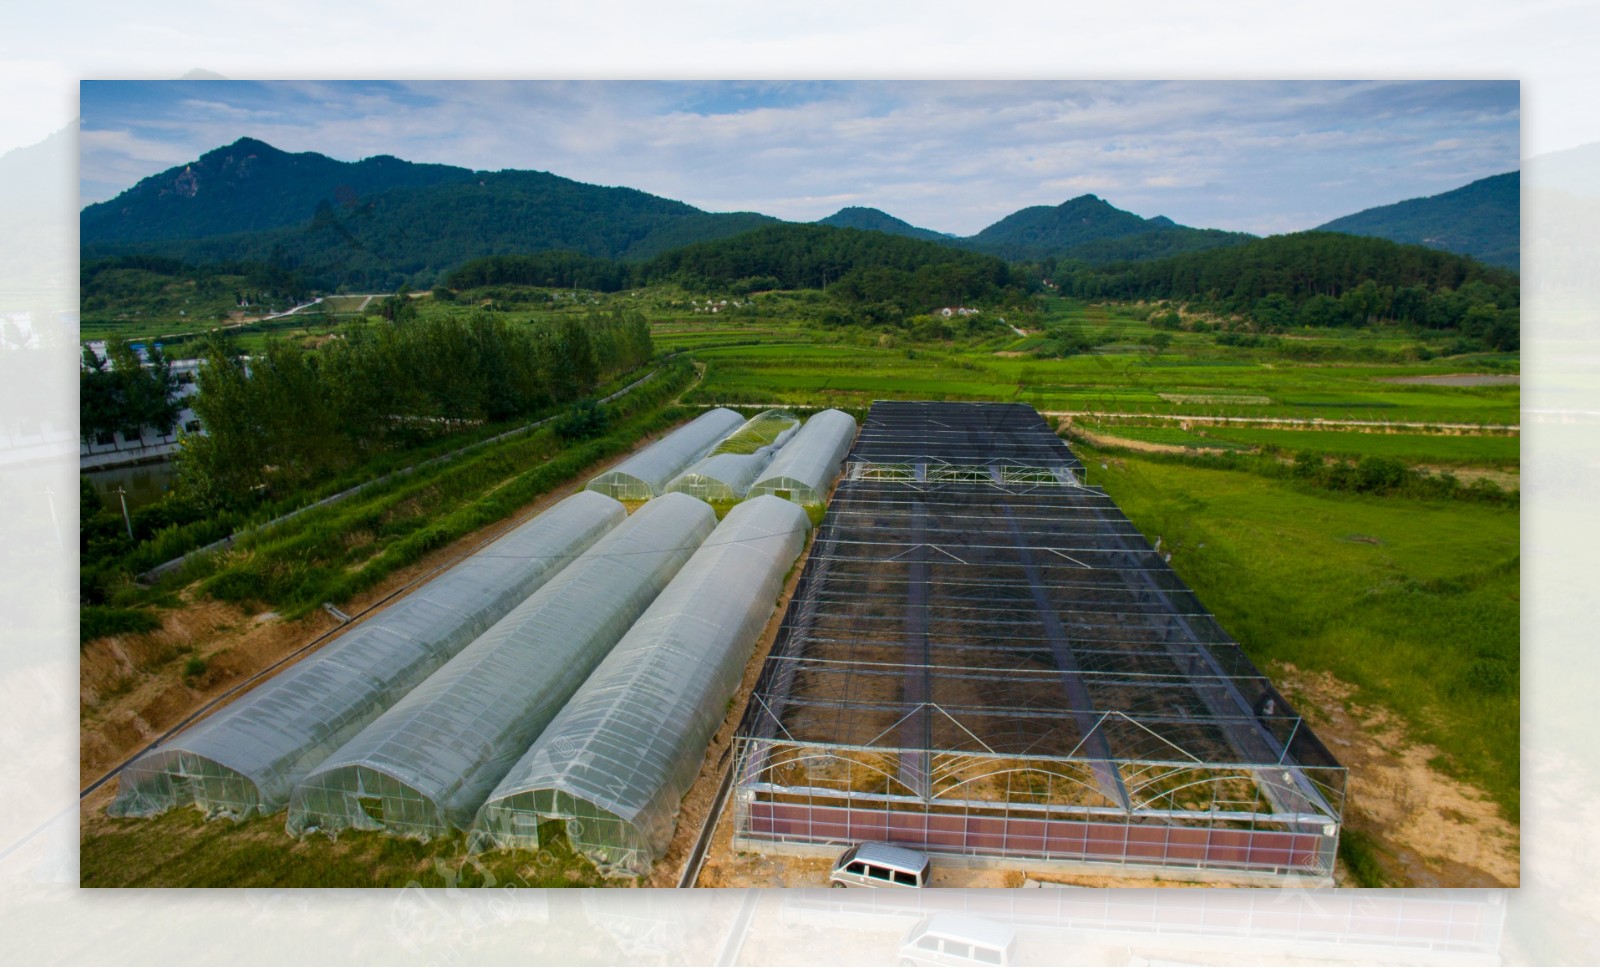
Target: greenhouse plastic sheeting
(807,465)
(766,431)
(620,756)
(645,474)
(720,477)
(427,764)
(248,757)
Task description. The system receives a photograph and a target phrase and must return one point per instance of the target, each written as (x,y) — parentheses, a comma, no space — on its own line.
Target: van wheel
(835,884)
(907,963)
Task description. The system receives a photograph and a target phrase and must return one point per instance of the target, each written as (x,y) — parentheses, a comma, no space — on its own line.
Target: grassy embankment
(182,849)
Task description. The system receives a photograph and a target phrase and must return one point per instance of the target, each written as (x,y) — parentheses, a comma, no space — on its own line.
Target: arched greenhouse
(720,477)
(645,474)
(247,758)
(427,764)
(805,468)
(618,759)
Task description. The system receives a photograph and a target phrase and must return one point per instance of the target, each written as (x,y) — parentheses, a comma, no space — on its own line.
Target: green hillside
(1482,220)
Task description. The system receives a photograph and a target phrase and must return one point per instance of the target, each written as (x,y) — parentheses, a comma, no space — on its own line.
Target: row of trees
(118,392)
(287,415)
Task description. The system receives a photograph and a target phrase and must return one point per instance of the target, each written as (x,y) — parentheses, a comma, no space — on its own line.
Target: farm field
(800,365)
(1412,604)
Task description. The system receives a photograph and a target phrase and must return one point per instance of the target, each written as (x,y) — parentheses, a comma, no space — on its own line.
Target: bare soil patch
(1146,446)
(1432,830)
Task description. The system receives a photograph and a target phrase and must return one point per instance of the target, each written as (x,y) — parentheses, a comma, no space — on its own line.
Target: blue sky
(1257,156)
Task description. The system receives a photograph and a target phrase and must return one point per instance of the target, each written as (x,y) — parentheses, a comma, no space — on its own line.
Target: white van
(880,865)
(953,939)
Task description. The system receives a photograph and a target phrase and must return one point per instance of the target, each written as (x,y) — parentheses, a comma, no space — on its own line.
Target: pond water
(144,483)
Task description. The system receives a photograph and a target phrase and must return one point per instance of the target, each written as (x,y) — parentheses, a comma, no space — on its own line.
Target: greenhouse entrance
(985,658)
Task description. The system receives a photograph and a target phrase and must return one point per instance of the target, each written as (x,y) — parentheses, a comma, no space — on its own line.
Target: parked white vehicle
(880,865)
(952,939)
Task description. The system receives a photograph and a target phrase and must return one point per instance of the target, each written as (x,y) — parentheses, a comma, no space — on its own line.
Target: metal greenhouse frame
(645,474)
(619,757)
(985,658)
(247,758)
(427,764)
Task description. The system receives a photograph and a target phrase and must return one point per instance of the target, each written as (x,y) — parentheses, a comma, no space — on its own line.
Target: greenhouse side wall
(247,758)
(619,757)
(427,764)
(645,474)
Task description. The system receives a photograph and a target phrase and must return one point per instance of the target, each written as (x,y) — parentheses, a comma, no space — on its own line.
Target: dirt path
(1431,830)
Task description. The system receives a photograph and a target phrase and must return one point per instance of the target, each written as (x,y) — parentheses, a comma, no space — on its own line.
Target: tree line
(119,392)
(856,268)
(287,415)
(1321,279)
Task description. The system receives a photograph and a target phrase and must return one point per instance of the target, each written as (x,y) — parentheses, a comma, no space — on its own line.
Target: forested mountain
(1089,229)
(874,220)
(413,237)
(248,186)
(251,202)
(381,223)
(1482,220)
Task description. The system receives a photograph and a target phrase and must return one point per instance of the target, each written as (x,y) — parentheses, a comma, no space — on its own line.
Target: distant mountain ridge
(875,220)
(382,222)
(1086,228)
(1482,219)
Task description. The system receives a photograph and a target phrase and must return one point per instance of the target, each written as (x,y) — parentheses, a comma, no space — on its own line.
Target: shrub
(586,419)
(99,621)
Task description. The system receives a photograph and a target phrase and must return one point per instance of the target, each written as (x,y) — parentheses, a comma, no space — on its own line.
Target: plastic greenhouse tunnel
(425,766)
(766,431)
(807,465)
(247,758)
(720,477)
(645,474)
(618,759)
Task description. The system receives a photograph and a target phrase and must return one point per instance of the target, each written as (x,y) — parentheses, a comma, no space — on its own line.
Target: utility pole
(122,495)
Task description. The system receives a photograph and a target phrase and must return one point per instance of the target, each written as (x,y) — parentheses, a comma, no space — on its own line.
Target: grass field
(1170,436)
(766,361)
(1415,603)
(1437,449)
